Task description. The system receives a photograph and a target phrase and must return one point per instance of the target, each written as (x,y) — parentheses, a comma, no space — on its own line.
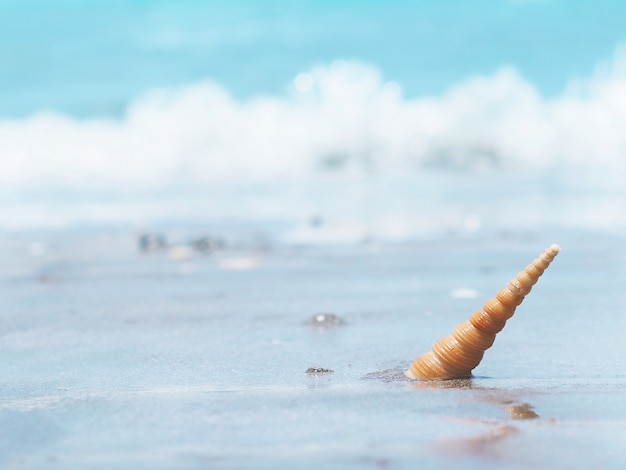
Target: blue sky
(94,57)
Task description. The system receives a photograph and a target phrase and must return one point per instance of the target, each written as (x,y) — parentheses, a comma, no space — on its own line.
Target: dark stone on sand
(149,243)
(207,244)
(318,370)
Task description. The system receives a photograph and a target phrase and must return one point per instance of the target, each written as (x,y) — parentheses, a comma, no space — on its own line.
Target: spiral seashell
(454,356)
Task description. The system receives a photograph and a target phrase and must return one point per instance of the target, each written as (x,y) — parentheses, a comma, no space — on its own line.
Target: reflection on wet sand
(485,444)
(521,411)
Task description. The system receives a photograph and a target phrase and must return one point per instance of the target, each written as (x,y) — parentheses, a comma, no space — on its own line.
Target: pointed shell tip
(456,355)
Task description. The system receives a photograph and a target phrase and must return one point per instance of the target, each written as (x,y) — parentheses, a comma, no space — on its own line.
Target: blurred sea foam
(341,154)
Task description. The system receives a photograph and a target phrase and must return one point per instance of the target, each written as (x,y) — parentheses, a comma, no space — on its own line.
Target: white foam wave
(343,156)
(343,118)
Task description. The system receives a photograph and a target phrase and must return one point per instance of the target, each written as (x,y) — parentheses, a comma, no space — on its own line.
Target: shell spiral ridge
(455,355)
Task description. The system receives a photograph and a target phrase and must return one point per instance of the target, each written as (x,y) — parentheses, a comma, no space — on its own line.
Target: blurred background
(363,175)
(317,120)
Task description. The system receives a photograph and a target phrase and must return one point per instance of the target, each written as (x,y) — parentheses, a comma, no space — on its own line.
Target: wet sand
(266,355)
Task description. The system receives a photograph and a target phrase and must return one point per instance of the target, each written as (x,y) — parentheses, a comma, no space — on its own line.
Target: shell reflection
(522,411)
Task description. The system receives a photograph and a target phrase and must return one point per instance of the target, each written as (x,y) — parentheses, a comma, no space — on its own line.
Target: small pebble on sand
(318,371)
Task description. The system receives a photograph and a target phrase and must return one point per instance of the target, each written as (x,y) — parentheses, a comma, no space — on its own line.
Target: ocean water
(320,121)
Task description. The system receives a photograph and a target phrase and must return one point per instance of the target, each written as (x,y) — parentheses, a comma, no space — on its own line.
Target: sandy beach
(275,355)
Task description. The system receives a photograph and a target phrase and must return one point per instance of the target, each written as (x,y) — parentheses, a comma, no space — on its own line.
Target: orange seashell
(454,356)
